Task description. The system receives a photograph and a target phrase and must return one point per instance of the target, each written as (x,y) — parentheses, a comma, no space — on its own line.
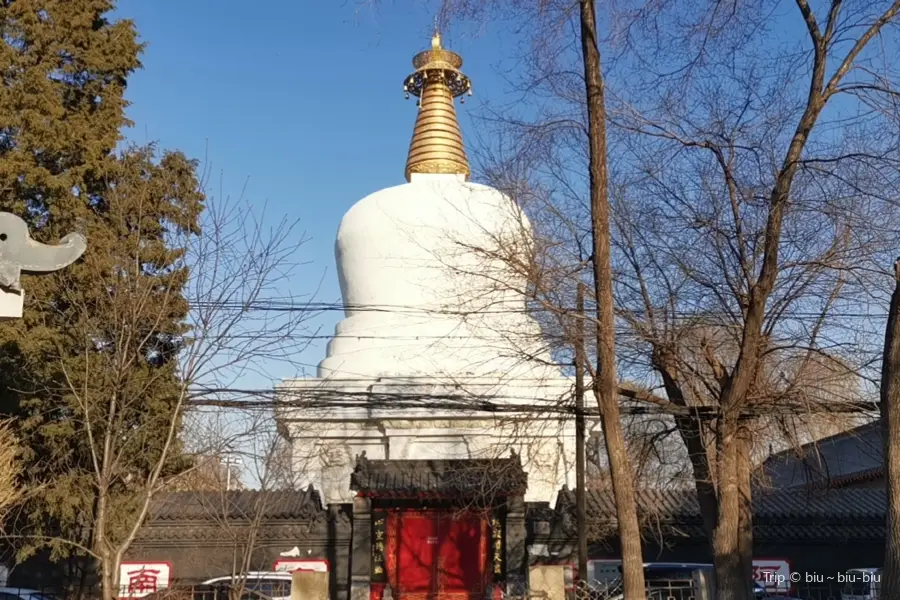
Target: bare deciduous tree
(605,382)
(753,201)
(241,513)
(234,261)
(773,222)
(208,473)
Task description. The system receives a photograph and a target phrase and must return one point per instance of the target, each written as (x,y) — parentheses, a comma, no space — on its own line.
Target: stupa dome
(426,282)
(425,267)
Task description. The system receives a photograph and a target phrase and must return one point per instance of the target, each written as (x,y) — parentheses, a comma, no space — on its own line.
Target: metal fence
(684,589)
(817,592)
(268,590)
(672,589)
(246,590)
(249,589)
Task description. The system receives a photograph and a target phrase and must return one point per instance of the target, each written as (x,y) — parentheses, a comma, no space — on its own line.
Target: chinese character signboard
(379,540)
(138,579)
(498,565)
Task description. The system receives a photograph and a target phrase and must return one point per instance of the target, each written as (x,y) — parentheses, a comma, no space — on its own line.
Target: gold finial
(436,145)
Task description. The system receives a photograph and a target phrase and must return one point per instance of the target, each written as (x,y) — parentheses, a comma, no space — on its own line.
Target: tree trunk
(745,506)
(101,545)
(731,541)
(725,537)
(890,423)
(108,588)
(605,383)
(690,429)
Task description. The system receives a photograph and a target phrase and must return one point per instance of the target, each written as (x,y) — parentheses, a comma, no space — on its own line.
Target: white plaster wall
(325,455)
(325,451)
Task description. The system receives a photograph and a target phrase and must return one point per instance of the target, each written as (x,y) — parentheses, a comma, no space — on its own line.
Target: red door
(414,553)
(461,559)
(432,555)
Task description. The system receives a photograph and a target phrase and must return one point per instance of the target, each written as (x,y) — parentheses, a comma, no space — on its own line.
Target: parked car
(760,593)
(218,591)
(862,584)
(14,593)
(185,592)
(274,585)
(665,581)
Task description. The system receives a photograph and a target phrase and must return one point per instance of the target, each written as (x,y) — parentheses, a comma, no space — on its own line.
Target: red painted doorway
(437,555)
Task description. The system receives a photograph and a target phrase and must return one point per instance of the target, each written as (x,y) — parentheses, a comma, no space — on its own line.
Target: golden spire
(437,145)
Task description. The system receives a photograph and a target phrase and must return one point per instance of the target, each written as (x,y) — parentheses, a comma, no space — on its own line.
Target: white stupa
(436,357)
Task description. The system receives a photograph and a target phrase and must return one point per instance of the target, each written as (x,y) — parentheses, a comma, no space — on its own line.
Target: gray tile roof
(848,457)
(454,478)
(238,505)
(831,515)
(838,514)
(773,506)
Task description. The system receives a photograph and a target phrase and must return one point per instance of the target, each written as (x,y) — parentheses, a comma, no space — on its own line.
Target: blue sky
(300,101)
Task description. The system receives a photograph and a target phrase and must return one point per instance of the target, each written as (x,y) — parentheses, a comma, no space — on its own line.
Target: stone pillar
(340,532)
(548,581)
(361,549)
(309,585)
(516,552)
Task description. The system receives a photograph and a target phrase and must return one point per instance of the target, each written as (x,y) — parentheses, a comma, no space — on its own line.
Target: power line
(480,337)
(345,400)
(274,305)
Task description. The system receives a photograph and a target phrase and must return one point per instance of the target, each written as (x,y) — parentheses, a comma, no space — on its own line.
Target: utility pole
(230,462)
(580,426)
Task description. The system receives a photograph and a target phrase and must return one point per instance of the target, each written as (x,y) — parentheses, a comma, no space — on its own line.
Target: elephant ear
(38,258)
(20,252)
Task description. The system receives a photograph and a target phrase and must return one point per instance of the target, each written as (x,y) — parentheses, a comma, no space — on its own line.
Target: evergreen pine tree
(93,359)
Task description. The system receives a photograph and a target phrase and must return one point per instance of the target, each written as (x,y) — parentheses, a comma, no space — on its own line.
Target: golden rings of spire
(437,65)
(436,145)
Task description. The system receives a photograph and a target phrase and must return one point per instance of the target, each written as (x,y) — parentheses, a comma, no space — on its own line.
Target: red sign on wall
(773,574)
(137,579)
